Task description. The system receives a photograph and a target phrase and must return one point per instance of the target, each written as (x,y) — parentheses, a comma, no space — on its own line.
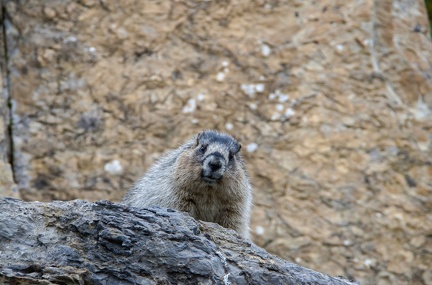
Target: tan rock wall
(331,99)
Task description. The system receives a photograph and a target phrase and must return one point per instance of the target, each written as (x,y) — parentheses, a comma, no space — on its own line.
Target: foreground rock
(79,242)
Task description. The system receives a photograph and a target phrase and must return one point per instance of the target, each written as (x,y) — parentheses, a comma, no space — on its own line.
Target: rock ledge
(78,242)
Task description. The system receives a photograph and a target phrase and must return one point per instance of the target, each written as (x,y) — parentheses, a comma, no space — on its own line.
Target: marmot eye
(203,148)
(231,156)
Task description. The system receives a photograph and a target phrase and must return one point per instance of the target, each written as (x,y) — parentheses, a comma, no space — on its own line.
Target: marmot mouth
(210,179)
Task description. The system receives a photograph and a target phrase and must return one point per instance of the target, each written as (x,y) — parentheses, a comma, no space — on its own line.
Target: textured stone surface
(331,99)
(79,242)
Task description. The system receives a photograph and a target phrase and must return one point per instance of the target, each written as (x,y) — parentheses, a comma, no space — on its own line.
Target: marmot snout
(214,155)
(205,177)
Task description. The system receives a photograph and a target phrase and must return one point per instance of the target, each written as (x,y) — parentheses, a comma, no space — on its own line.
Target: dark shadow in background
(429,11)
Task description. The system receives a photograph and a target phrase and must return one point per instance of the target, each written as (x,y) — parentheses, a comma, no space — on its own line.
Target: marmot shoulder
(205,177)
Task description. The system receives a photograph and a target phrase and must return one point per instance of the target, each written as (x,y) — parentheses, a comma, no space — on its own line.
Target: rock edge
(78,242)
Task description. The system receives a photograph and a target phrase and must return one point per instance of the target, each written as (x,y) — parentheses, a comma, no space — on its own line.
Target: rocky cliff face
(331,99)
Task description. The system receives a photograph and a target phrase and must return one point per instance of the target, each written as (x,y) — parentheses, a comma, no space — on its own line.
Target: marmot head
(216,153)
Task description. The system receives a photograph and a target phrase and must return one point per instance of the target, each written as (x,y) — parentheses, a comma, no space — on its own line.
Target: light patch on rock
(265,50)
(229,126)
(272,96)
(325,129)
(289,113)
(73,179)
(200,97)
(92,49)
(70,39)
(279,107)
(283,98)
(122,33)
(253,106)
(298,259)
(251,147)
(259,230)
(190,106)
(275,116)
(221,256)
(340,47)
(392,150)
(422,110)
(226,281)
(369,262)
(220,76)
(259,87)
(225,63)
(248,89)
(49,12)
(194,121)
(251,89)
(113,167)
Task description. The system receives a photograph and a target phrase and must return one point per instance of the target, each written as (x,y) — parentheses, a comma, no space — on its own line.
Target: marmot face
(214,154)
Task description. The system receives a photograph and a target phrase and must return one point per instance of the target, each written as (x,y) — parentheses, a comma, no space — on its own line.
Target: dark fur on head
(216,152)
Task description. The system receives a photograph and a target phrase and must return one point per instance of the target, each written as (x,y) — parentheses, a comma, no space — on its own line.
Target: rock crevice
(7,177)
(7,96)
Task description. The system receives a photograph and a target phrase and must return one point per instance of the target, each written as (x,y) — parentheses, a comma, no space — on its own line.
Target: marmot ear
(199,137)
(239,147)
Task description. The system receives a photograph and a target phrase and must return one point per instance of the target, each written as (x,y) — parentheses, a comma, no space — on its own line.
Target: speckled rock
(79,242)
(331,99)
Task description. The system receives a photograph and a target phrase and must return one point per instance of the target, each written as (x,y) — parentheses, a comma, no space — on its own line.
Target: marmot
(205,177)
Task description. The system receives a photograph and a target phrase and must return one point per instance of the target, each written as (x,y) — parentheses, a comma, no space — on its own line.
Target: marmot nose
(215,165)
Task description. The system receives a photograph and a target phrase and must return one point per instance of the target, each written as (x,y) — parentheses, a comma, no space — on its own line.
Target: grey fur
(205,177)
